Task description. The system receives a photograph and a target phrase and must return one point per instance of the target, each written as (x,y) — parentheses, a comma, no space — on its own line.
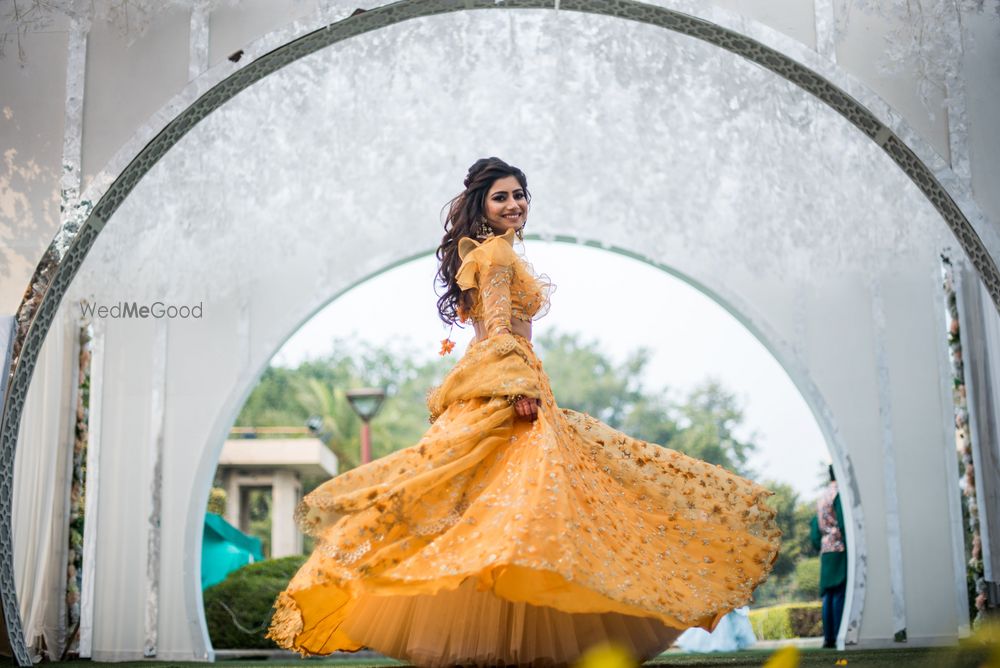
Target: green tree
(272,402)
(702,425)
(338,423)
(793,518)
(652,419)
(804,512)
(585,379)
(785,584)
(784,502)
(708,417)
(317,387)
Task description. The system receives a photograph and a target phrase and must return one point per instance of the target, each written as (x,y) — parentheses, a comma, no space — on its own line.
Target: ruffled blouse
(502,285)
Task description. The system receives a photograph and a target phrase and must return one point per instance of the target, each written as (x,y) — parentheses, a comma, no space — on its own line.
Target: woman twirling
(516,532)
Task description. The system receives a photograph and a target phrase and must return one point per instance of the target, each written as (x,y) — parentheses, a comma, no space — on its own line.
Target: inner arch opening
(693,345)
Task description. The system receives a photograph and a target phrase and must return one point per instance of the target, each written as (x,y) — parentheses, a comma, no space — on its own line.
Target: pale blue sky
(693,340)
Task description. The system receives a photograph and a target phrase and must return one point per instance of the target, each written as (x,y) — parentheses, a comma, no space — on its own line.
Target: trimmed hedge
(238,610)
(807,578)
(792,620)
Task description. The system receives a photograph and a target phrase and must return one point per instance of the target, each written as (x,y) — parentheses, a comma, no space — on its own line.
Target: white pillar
(285,537)
(232,488)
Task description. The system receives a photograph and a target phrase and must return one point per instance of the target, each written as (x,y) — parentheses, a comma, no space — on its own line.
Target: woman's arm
(495,289)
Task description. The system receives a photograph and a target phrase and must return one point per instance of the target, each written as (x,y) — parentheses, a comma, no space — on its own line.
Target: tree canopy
(584,377)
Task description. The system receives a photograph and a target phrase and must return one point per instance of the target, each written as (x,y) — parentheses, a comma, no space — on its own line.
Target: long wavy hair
(462,220)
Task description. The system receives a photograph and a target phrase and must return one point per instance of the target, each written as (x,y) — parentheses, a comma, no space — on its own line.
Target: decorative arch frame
(781,55)
(743,312)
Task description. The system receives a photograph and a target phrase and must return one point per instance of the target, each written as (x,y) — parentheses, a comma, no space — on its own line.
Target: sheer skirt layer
(435,630)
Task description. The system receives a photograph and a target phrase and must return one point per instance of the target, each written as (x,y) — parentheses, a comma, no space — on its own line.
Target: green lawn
(946,657)
(811,658)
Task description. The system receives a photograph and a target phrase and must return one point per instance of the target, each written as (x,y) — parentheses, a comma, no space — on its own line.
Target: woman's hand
(527,408)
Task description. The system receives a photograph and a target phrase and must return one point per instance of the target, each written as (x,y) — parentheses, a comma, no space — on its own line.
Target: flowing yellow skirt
(496,541)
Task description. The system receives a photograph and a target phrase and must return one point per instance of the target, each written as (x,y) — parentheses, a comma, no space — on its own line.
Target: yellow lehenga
(495,541)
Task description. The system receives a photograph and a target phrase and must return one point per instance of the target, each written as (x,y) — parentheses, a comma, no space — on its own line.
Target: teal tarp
(224,548)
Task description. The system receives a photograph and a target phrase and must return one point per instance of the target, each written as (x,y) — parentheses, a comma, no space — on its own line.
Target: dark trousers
(833,610)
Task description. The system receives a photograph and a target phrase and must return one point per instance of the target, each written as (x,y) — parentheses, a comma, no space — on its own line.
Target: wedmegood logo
(124,310)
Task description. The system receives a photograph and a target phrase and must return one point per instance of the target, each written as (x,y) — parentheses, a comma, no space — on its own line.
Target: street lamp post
(366,401)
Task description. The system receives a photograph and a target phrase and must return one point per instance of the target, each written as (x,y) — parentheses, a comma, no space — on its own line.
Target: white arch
(744,313)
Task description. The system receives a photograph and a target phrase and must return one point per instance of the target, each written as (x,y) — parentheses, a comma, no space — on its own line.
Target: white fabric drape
(41,492)
(985,373)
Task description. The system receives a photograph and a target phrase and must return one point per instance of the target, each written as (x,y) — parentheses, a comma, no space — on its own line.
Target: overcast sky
(604,296)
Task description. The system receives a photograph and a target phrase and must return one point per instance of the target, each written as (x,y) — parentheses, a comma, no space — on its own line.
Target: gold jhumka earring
(484,228)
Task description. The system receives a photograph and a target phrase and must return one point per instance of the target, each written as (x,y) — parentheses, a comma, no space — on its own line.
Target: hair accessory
(447,345)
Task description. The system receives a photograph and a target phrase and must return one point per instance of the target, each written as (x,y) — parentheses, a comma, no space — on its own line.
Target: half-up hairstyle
(462,220)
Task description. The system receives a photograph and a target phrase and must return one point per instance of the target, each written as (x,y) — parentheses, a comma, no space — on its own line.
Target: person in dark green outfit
(827,533)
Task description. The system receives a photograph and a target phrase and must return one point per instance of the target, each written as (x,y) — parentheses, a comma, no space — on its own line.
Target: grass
(919,657)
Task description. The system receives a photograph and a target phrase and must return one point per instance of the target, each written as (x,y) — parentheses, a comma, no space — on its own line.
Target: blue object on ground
(733,633)
(224,548)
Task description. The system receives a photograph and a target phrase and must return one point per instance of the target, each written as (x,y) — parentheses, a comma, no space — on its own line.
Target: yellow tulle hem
(507,615)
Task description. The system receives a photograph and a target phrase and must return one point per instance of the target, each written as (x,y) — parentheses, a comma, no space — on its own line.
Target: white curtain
(988,405)
(41,491)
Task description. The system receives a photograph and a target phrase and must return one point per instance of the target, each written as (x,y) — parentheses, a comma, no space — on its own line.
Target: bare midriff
(517,326)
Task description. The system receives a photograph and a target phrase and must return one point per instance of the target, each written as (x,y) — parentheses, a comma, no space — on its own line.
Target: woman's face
(506,205)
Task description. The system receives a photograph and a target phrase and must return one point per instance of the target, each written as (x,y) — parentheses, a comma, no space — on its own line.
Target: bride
(517,532)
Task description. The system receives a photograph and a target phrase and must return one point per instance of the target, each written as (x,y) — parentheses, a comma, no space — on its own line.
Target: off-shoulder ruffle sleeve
(477,258)
(489,268)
